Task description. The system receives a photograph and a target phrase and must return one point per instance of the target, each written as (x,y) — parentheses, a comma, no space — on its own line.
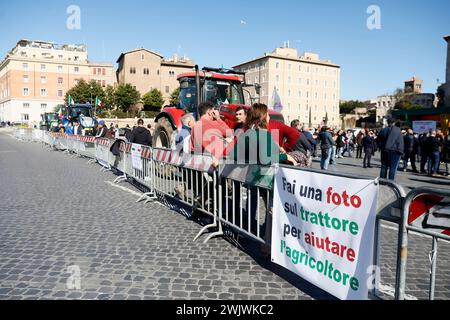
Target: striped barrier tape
(430,211)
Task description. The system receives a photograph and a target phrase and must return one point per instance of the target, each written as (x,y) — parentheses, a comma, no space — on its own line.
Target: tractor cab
(224,88)
(49,120)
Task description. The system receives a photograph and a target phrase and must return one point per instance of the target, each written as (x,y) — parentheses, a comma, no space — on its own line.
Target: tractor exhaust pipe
(197,85)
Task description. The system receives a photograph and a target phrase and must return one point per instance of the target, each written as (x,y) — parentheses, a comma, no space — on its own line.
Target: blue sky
(373,62)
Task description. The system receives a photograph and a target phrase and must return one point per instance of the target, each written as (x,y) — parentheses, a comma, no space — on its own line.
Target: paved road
(57,212)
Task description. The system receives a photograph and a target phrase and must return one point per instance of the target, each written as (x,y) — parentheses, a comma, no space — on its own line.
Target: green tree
(175,97)
(109,97)
(153,100)
(126,96)
(349,106)
(85,92)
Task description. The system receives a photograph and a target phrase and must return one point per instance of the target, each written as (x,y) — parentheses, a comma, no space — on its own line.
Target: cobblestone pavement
(59,215)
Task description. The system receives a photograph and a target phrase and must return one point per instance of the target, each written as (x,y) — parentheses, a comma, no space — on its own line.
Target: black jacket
(302,144)
(115,147)
(142,136)
(367,143)
(408,141)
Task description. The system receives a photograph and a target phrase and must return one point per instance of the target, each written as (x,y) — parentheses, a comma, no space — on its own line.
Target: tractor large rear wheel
(162,137)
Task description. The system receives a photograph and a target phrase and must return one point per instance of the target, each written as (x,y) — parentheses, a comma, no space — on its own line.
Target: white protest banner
(323,230)
(423,126)
(136,160)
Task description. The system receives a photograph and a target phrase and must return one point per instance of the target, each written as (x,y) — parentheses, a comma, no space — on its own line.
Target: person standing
(359,147)
(326,143)
(434,153)
(392,148)
(408,142)
(241,117)
(77,129)
(101,129)
(141,135)
(424,151)
(368,144)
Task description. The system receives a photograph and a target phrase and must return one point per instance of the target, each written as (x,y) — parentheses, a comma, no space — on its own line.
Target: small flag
(71,102)
(60,113)
(276,101)
(98,102)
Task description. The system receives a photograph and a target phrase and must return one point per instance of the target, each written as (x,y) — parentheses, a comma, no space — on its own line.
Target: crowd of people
(298,144)
(138,134)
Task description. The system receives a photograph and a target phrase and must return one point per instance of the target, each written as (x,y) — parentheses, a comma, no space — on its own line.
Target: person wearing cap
(101,130)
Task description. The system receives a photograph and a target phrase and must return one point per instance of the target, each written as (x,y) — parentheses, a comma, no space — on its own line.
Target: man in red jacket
(285,136)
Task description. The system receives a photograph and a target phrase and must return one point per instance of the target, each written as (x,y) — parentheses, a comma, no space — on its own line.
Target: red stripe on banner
(422,205)
(446,232)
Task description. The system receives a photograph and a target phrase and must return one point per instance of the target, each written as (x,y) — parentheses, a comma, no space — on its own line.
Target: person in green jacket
(256,145)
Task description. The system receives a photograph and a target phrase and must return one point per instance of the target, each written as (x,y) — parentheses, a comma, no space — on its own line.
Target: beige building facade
(306,85)
(146,70)
(447,74)
(35,76)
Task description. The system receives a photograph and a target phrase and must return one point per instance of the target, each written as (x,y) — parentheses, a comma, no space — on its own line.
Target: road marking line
(390,291)
(123,188)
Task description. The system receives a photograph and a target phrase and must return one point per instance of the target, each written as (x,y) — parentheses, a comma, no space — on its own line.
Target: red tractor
(222,87)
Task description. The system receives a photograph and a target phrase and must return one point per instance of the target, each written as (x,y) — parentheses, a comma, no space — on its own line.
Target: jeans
(324,162)
(339,152)
(333,155)
(389,160)
(367,157)
(409,156)
(359,150)
(433,163)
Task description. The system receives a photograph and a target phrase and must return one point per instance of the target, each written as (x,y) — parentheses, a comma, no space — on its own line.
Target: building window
(26,105)
(94,71)
(42,67)
(43,79)
(317,82)
(25,79)
(60,80)
(277,78)
(60,68)
(289,66)
(26,92)
(277,65)
(103,72)
(142,57)
(315,95)
(146,71)
(307,69)
(157,72)
(326,83)
(43,106)
(325,96)
(299,93)
(43,92)
(289,79)
(76,69)
(167,89)
(289,93)
(103,83)
(76,58)
(307,94)
(60,93)
(132,70)
(299,68)
(25,66)
(99,71)
(60,57)
(25,116)
(307,82)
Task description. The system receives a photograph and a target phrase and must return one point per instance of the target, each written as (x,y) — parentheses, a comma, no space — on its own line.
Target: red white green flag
(98,102)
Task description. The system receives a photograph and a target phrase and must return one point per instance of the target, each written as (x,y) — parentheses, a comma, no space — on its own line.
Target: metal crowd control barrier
(248,195)
(102,153)
(425,211)
(239,196)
